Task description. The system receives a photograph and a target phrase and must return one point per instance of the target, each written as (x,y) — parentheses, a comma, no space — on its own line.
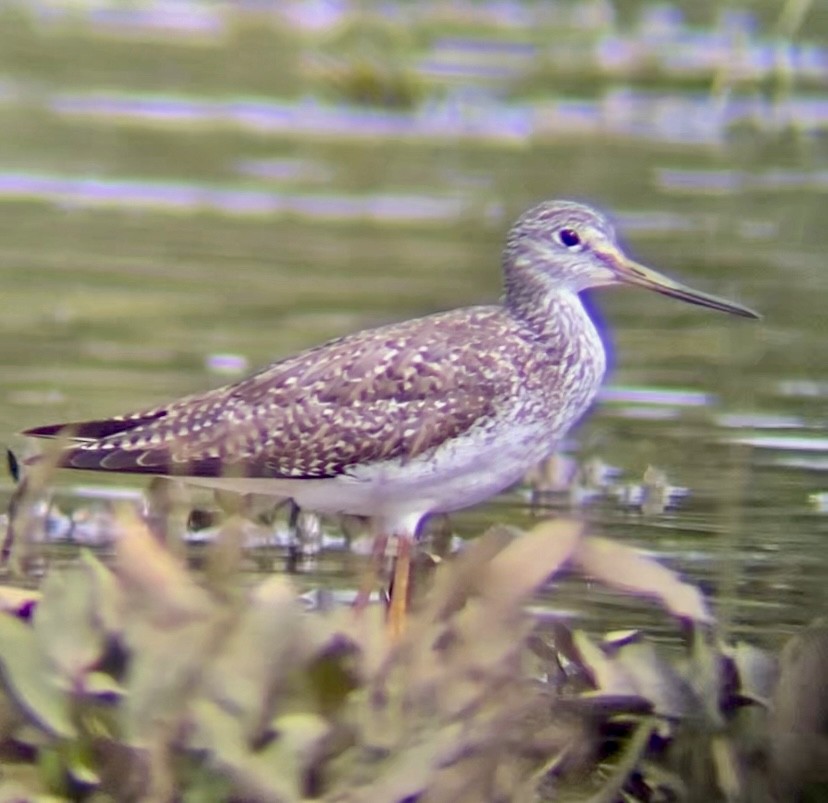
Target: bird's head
(569,246)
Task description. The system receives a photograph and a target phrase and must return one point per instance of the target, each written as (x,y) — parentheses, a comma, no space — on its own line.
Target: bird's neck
(563,334)
(553,314)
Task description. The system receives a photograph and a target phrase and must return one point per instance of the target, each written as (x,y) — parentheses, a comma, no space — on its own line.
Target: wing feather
(389,393)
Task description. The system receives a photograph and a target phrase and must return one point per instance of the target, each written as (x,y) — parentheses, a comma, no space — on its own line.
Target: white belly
(469,470)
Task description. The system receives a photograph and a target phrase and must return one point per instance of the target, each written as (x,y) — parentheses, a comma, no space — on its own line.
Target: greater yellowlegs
(428,415)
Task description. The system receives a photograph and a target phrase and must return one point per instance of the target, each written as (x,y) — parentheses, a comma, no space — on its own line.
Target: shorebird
(394,423)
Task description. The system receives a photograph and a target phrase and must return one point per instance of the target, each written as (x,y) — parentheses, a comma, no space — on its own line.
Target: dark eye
(569,237)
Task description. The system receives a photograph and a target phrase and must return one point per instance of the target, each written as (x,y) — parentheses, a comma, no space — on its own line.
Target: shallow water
(186,198)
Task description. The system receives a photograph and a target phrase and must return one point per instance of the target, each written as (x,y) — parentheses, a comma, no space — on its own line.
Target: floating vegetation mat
(137,679)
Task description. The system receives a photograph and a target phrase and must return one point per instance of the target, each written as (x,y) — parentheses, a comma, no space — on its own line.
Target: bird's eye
(570,238)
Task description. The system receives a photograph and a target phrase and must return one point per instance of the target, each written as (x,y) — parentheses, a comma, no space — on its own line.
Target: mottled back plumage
(383,394)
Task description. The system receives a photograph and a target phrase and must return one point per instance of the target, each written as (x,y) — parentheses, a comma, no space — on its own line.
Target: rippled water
(188,194)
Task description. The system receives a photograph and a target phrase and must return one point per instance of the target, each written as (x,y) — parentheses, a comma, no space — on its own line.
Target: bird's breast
(562,371)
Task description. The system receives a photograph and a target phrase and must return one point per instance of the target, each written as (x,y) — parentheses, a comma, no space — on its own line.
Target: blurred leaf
(453,582)
(274,773)
(618,638)
(518,570)
(656,680)
(726,763)
(406,773)
(297,742)
(165,672)
(631,755)
(799,765)
(489,640)
(332,675)
(800,700)
(103,686)
(79,764)
(705,675)
(368,632)
(172,628)
(29,680)
(31,735)
(607,675)
(622,567)
(224,554)
(22,783)
(52,769)
(65,624)
(600,706)
(657,777)
(798,724)
(107,599)
(17,600)
(265,646)
(11,715)
(758,671)
(205,784)
(152,579)
(470,780)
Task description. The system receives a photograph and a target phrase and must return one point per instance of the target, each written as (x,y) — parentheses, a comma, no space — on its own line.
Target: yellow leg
(399,591)
(369,576)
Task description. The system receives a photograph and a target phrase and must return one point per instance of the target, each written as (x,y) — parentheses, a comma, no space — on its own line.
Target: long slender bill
(629,272)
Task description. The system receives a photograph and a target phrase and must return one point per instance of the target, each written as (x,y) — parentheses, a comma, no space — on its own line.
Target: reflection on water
(735,182)
(180,204)
(641,115)
(177,197)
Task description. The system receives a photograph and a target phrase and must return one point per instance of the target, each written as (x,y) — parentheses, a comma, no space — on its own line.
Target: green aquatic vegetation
(137,678)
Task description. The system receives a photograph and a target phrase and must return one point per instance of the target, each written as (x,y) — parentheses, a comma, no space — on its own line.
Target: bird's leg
(403,528)
(399,590)
(370,575)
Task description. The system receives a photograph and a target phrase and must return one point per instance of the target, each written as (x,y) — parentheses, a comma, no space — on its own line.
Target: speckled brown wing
(393,392)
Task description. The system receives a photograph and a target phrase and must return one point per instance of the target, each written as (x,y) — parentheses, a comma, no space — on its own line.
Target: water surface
(188,197)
